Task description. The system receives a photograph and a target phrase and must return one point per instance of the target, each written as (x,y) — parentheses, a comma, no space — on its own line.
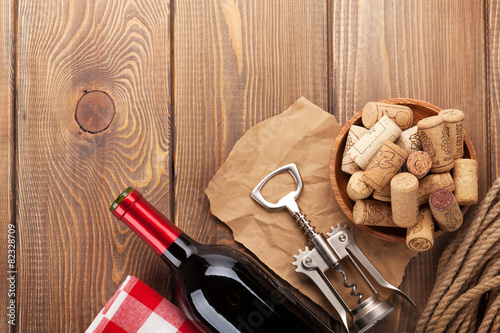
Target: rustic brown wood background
(187,79)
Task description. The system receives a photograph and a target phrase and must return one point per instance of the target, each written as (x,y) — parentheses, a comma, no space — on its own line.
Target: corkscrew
(328,253)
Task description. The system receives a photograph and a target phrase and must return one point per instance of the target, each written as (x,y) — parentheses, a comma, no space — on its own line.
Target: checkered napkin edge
(135,307)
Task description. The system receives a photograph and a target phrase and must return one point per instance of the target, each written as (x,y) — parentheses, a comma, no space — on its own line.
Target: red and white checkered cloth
(135,307)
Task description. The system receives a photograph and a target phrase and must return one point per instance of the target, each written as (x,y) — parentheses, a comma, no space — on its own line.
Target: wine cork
(409,140)
(400,114)
(404,199)
(419,163)
(383,195)
(454,121)
(436,142)
(366,147)
(465,177)
(420,237)
(373,212)
(430,183)
(445,210)
(354,134)
(356,187)
(384,165)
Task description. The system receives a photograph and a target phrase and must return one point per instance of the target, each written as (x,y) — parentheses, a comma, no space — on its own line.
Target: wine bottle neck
(181,249)
(145,220)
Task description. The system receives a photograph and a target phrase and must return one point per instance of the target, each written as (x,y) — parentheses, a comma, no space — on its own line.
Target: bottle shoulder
(226,291)
(217,261)
(221,260)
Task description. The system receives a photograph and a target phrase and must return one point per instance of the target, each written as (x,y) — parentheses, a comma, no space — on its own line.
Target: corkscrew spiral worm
(350,285)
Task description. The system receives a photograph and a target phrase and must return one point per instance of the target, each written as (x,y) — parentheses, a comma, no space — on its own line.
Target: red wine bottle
(220,289)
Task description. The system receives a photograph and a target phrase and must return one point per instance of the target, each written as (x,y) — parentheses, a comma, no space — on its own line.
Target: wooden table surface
(102,94)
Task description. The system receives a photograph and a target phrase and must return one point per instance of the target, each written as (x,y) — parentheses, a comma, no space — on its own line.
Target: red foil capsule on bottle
(145,220)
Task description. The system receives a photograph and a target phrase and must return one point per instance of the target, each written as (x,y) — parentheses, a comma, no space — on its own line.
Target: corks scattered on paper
(303,134)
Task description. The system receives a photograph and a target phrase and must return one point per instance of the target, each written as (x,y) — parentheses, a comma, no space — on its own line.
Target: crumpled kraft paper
(303,134)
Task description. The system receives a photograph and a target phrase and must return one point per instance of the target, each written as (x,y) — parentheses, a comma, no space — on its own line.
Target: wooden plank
(236,64)
(72,165)
(433,51)
(428,50)
(7,165)
(493,56)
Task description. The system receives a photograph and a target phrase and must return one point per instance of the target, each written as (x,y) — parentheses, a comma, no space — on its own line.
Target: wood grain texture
(74,253)
(236,64)
(7,150)
(493,56)
(428,50)
(432,51)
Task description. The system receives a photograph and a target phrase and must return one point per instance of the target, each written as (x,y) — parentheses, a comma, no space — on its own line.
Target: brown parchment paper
(303,134)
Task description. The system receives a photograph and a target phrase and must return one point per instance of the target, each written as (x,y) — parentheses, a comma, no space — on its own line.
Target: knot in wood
(95,112)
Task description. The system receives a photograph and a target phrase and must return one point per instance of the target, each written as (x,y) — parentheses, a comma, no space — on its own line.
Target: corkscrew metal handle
(327,253)
(288,201)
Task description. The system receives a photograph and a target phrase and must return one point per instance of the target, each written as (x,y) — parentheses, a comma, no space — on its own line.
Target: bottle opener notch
(288,200)
(328,252)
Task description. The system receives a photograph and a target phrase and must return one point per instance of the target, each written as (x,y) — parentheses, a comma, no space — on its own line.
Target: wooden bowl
(339,179)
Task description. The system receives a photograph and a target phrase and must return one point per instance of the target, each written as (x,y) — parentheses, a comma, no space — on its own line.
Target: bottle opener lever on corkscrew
(327,253)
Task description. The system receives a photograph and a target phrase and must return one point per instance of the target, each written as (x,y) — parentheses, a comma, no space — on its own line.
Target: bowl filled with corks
(405,171)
